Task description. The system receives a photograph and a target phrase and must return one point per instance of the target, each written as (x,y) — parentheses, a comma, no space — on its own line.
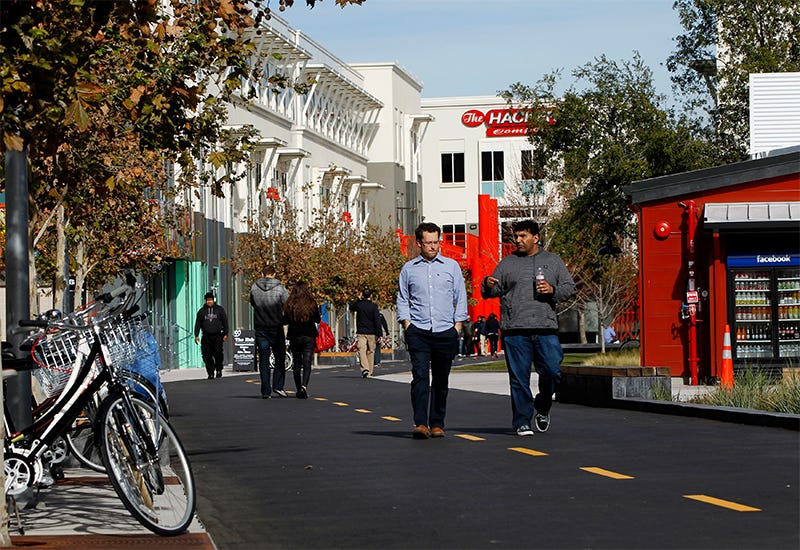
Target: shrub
(753,389)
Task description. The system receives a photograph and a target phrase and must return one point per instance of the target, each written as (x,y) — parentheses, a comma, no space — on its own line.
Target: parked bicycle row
(97,396)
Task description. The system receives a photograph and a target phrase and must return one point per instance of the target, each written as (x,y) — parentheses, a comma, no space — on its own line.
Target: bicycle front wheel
(147,465)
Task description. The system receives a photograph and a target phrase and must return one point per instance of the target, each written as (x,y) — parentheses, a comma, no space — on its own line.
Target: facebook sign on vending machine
(764,309)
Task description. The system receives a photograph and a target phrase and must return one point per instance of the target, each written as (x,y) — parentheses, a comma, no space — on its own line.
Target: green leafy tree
(607,130)
(725,41)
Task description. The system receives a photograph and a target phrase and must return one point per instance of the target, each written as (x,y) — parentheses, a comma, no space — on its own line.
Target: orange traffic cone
(726,376)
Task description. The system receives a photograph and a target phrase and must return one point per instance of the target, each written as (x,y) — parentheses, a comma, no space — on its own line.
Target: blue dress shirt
(432,294)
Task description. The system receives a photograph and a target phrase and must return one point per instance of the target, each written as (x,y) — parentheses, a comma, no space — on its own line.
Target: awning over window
(751,214)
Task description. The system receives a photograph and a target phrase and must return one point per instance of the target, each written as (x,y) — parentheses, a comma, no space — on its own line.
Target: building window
(455,234)
(526,161)
(492,173)
(452,167)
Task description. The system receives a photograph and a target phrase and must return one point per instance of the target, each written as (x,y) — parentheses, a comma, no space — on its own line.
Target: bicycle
(140,450)
(629,341)
(289,361)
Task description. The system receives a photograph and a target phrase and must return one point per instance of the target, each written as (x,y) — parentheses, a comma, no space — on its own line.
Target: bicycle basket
(55,353)
(121,340)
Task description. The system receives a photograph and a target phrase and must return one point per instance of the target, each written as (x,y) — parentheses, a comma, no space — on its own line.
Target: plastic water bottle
(539,277)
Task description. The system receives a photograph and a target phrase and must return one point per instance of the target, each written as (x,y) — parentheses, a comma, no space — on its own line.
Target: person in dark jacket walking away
(492,328)
(212,321)
(465,343)
(530,283)
(301,313)
(379,341)
(368,330)
(267,296)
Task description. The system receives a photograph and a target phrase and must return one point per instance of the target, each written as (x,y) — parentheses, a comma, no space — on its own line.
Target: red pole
(691,289)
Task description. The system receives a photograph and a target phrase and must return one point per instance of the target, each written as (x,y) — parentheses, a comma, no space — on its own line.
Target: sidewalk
(82,511)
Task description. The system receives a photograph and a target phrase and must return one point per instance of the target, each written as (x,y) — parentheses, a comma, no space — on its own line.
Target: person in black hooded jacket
(212,321)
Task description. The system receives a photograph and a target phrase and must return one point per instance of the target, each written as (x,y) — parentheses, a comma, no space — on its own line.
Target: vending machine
(764,309)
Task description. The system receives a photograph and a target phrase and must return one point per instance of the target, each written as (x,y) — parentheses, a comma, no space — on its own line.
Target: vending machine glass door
(788,297)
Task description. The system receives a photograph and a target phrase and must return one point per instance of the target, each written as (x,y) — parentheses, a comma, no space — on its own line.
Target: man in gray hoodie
(530,283)
(267,296)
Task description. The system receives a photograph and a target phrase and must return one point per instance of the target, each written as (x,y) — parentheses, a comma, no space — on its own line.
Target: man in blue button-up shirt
(431,305)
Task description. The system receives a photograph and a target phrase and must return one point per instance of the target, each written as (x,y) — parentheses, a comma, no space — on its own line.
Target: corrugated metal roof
(763,213)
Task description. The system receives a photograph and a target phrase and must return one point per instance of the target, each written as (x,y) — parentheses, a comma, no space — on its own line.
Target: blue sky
(477,47)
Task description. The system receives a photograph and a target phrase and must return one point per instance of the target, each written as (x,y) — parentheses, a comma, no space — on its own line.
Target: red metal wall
(663,274)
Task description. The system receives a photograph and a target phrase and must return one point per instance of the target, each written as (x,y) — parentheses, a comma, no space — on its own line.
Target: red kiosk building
(720,247)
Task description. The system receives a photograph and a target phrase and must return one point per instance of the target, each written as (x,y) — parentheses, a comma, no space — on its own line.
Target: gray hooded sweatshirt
(521,307)
(267,296)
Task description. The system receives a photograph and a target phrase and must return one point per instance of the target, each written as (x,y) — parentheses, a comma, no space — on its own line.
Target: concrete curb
(724,414)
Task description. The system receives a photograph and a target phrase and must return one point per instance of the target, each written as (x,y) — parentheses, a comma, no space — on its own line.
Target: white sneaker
(524,430)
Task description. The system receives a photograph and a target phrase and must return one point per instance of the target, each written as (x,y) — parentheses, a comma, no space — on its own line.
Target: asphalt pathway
(340,470)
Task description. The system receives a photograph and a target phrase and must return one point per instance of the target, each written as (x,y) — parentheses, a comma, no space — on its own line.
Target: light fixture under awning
(735,215)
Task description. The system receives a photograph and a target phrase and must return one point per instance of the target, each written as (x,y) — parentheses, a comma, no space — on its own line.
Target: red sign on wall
(499,122)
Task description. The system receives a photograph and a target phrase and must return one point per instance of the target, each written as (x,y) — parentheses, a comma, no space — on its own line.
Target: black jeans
(211,348)
(302,355)
(432,356)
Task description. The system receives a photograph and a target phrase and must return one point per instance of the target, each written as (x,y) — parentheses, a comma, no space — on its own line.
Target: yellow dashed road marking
(723,503)
(526,451)
(253,381)
(363,411)
(606,473)
(320,399)
(470,437)
(340,404)
(391,418)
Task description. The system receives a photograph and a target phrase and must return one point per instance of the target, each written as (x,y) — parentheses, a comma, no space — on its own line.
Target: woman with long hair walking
(301,313)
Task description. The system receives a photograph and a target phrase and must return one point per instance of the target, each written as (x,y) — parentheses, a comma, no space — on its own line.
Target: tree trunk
(81,270)
(61,258)
(582,325)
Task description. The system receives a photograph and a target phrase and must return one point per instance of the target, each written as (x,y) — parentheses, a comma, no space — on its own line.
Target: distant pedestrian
(465,341)
(267,296)
(379,343)
(478,334)
(301,313)
(368,330)
(212,321)
(431,305)
(530,282)
(492,329)
(610,335)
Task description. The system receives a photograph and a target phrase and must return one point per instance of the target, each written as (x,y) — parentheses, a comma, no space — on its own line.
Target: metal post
(17,277)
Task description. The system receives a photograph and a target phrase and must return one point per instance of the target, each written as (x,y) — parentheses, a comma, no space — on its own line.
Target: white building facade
(477,145)
(348,139)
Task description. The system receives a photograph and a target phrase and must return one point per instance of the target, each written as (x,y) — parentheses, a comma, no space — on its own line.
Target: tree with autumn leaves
(335,258)
(117,104)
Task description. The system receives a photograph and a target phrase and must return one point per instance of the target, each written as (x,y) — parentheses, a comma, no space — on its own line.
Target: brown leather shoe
(437,432)
(421,432)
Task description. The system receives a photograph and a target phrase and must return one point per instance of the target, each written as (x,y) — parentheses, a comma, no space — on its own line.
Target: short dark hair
(366,294)
(427,227)
(526,225)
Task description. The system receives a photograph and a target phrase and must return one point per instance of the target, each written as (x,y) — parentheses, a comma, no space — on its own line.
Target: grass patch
(613,358)
(500,366)
(753,389)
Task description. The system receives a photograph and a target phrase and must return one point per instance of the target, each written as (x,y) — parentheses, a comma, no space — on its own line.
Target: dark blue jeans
(545,352)
(271,340)
(432,356)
